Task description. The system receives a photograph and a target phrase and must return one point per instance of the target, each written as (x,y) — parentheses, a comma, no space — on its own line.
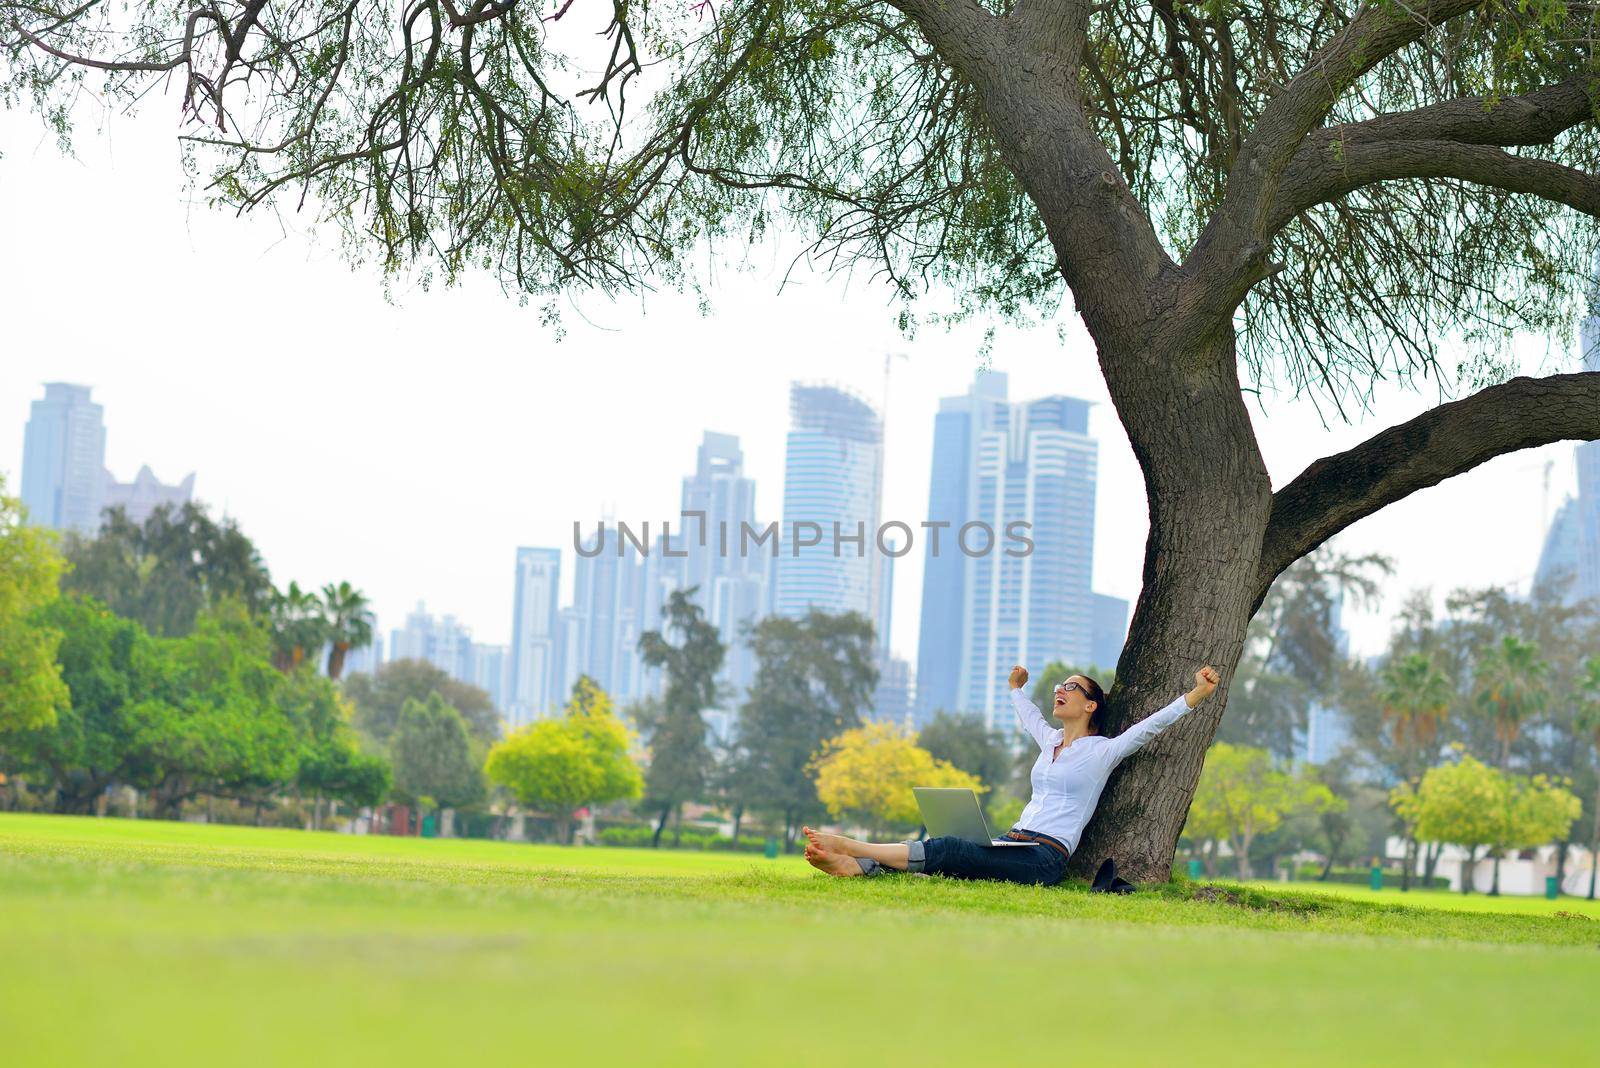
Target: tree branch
(959,30)
(1345,168)
(1535,118)
(1226,259)
(1336,491)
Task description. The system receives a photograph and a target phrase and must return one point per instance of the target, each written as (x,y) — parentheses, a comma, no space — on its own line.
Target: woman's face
(1072,705)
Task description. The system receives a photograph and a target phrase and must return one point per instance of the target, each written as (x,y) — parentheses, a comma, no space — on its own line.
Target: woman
(1072,767)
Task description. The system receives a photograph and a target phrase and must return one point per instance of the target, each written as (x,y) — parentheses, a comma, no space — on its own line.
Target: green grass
(136,942)
(1444,899)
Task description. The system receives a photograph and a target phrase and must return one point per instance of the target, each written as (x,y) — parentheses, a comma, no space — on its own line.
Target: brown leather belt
(1038,839)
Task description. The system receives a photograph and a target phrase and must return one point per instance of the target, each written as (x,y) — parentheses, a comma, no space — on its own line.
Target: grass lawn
(1443,899)
(138,942)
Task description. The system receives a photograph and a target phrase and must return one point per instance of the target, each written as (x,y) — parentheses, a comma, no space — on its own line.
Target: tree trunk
(336,658)
(1431,863)
(1246,870)
(1210,501)
(661,825)
(1494,885)
(677,824)
(738,820)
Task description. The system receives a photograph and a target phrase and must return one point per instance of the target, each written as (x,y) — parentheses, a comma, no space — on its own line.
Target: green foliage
(1241,795)
(813,676)
(31,689)
(166,572)
(964,742)
(1477,806)
(432,756)
(1511,681)
(205,714)
(108,665)
(379,699)
(580,758)
(680,759)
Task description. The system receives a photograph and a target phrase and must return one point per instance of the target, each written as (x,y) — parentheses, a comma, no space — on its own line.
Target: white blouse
(1067,788)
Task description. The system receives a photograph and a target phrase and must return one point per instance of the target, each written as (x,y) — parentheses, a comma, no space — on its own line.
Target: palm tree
(1416,700)
(349,622)
(1588,719)
(1511,688)
(297,626)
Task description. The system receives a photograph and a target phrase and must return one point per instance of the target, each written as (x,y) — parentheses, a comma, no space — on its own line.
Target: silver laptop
(955,813)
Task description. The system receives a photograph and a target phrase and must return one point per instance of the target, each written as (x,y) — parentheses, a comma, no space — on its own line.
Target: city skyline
(497,446)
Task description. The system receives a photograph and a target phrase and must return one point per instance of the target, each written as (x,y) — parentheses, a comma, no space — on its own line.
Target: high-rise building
(831,505)
(726,570)
(891,701)
(1110,631)
(619,586)
(145,494)
(1571,553)
(439,640)
(65,483)
(489,667)
(533,663)
(990,601)
(64,459)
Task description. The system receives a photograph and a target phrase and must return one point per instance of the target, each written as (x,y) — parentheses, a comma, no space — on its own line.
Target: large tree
(1232,196)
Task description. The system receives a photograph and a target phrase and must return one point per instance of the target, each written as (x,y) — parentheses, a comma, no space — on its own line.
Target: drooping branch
(1449,440)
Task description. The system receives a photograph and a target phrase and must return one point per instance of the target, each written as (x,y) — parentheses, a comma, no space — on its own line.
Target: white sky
(409,447)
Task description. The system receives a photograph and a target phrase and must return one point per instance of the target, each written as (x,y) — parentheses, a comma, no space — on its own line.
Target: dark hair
(1093,692)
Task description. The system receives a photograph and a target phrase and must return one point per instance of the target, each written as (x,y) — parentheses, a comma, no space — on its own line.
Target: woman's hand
(1205,681)
(1019,677)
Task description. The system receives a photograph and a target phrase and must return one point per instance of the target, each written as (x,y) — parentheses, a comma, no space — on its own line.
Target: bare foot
(830,843)
(832,863)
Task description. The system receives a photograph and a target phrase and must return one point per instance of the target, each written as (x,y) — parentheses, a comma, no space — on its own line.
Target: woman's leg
(1036,865)
(894,855)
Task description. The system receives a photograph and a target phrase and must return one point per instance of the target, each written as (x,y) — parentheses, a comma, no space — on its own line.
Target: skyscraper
(1110,631)
(988,602)
(533,661)
(619,586)
(438,640)
(65,483)
(831,506)
(730,584)
(64,459)
(1571,553)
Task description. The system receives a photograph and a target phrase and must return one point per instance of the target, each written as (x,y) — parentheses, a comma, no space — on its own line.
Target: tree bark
(1210,499)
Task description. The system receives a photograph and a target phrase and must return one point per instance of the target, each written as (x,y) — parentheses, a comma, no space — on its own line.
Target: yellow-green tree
(867,774)
(1241,796)
(557,765)
(31,690)
(1478,808)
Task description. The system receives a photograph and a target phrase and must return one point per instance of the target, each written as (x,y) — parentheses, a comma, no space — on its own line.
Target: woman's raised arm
(1029,718)
(1135,737)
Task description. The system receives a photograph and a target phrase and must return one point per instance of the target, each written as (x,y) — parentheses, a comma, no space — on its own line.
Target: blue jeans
(1036,865)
